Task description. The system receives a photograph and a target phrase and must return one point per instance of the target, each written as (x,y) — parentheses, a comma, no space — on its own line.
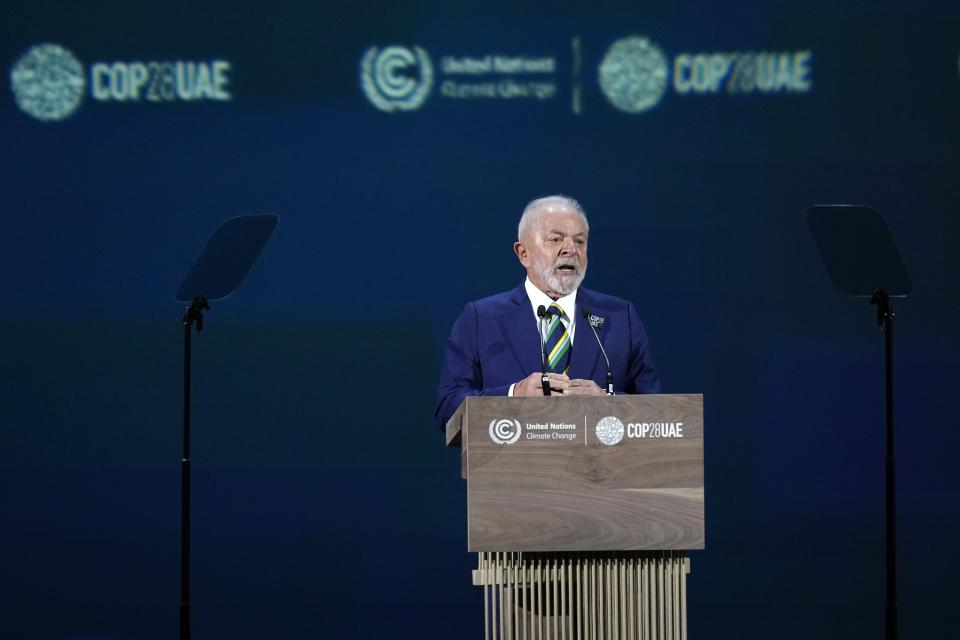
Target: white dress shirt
(537,298)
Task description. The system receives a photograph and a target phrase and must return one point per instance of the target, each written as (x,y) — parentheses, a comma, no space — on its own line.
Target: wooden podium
(581,509)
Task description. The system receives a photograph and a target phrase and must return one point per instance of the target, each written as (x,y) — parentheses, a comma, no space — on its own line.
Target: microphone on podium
(609,378)
(544,378)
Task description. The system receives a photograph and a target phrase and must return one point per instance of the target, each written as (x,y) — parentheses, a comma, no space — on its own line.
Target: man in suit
(496,345)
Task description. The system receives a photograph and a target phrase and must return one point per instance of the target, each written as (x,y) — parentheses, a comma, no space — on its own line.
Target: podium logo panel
(504,431)
(610,430)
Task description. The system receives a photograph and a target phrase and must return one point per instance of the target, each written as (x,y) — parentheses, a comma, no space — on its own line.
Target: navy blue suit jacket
(494,343)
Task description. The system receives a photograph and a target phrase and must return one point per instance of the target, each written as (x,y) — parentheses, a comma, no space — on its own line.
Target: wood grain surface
(556,487)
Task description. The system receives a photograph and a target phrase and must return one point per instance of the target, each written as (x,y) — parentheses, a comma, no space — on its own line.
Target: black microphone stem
(609,377)
(544,378)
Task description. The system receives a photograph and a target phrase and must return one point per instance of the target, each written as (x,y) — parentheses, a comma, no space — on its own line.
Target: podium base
(616,594)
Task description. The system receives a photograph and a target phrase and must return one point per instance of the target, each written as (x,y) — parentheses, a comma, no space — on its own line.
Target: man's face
(555,251)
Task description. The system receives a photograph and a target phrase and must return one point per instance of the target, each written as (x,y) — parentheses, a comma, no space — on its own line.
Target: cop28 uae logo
(609,430)
(633,74)
(396,78)
(48,82)
(504,431)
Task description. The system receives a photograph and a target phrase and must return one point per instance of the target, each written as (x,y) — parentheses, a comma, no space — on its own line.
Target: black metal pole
(192,316)
(885,320)
(185,487)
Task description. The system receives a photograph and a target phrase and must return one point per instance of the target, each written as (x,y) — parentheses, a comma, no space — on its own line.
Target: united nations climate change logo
(48,82)
(633,74)
(609,430)
(396,78)
(504,431)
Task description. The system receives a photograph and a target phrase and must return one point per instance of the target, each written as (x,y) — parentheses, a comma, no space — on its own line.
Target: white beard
(562,284)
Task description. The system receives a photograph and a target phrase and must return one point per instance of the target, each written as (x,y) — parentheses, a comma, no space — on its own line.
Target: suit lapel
(519,329)
(586,353)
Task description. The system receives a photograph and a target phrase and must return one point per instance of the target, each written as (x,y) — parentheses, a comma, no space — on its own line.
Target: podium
(581,509)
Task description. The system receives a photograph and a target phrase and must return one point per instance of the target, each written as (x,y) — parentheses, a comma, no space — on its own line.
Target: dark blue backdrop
(325,503)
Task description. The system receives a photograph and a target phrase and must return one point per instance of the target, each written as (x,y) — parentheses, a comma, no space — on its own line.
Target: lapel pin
(596,322)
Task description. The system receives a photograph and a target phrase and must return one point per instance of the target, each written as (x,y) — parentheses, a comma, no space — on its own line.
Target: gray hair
(535,207)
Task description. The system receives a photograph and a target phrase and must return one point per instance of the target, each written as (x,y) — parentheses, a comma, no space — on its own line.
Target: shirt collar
(537,298)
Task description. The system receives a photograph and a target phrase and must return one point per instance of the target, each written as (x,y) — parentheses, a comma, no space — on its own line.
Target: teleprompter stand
(862,260)
(217,273)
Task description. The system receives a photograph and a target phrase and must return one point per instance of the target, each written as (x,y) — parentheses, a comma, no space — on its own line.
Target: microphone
(586,316)
(544,378)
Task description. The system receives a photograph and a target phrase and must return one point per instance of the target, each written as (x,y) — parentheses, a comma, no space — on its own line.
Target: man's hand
(559,384)
(579,387)
(531,385)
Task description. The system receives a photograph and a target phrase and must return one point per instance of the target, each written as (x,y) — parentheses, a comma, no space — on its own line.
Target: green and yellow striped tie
(557,341)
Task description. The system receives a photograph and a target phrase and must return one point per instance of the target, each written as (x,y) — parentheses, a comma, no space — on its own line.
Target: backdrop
(399,144)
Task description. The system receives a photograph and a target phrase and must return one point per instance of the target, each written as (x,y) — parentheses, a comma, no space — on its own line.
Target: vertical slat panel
(622,599)
(498,578)
(561,609)
(683,599)
(571,596)
(598,597)
(552,608)
(525,598)
(604,601)
(651,600)
(507,612)
(486,595)
(611,599)
(627,603)
(538,602)
(633,595)
(556,605)
(615,597)
(582,633)
(677,577)
(511,597)
(492,579)
(638,586)
(588,596)
(628,597)
(661,605)
(562,586)
(531,596)
(594,570)
(494,596)
(641,594)
(613,624)
(547,593)
(601,598)
(608,596)
(577,566)
(504,599)
(588,599)
(667,589)
(665,594)
(558,596)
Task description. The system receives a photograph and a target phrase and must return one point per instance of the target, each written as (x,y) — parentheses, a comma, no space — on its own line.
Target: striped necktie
(557,341)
